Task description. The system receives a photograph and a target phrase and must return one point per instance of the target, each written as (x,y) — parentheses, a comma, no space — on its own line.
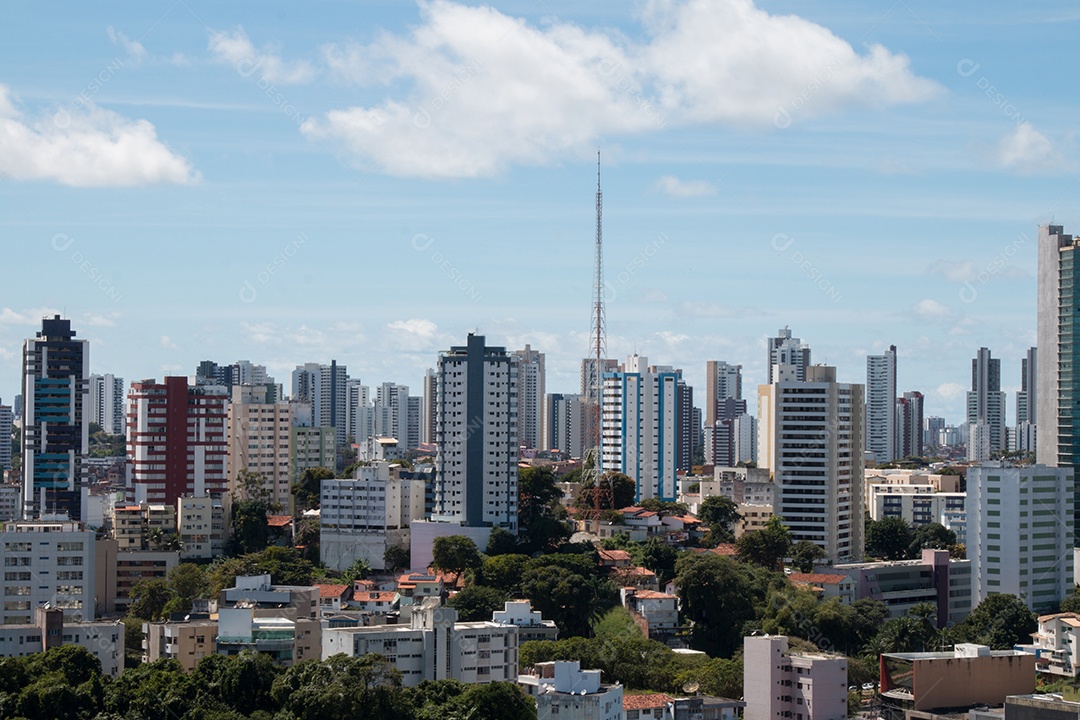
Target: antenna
(595,386)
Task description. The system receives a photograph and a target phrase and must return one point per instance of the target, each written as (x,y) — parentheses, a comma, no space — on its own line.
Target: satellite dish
(690,688)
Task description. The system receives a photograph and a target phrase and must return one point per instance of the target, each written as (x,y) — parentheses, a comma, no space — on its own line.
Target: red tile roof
(653,595)
(614,555)
(636,571)
(279,520)
(645,702)
(331,591)
(374,596)
(726,549)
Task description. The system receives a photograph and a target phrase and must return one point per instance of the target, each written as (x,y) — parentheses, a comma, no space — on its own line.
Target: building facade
(260,437)
(1019,527)
(325,389)
(107,403)
(177,440)
(1058,387)
(47,563)
(532,391)
(476,465)
(564,420)
(640,427)
(810,439)
(55,420)
(881,430)
(986,406)
(779,684)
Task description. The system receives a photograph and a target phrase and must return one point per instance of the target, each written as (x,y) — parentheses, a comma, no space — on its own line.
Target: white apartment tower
(360,417)
(564,417)
(1020,532)
(881,430)
(107,403)
(639,426)
(810,439)
(531,394)
(786,350)
(476,433)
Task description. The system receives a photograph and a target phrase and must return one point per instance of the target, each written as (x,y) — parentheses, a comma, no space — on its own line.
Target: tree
(1071,604)
(805,554)
(396,557)
(283,565)
(562,595)
(619,491)
(538,490)
(889,538)
(664,508)
(1000,621)
(931,536)
(249,530)
(500,542)
(717,598)
(148,598)
(455,554)
(766,547)
(307,532)
(914,632)
(244,682)
(493,701)
(716,677)
(616,622)
(658,556)
(342,688)
(188,581)
(251,486)
(719,514)
(307,490)
(546,534)
(359,570)
(477,602)
(505,572)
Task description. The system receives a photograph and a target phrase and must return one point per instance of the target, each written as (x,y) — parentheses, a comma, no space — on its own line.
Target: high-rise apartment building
(1023,436)
(177,440)
(476,434)
(909,425)
(531,394)
(810,438)
(107,403)
(55,420)
(427,419)
(1058,386)
(47,562)
(1020,532)
(564,418)
(881,429)
(985,406)
(724,405)
(259,442)
(592,389)
(7,420)
(640,426)
(932,426)
(786,350)
(688,426)
(361,418)
(325,388)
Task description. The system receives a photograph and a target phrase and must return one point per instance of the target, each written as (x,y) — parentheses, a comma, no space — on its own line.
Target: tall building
(392,413)
(1020,532)
(531,394)
(241,372)
(360,416)
(564,418)
(782,684)
(786,350)
(427,420)
(909,425)
(7,420)
(810,438)
(414,412)
(986,405)
(688,430)
(56,422)
(476,483)
(932,426)
(47,562)
(1058,387)
(259,442)
(640,426)
(881,430)
(724,405)
(325,388)
(177,441)
(107,403)
(592,389)
(1024,436)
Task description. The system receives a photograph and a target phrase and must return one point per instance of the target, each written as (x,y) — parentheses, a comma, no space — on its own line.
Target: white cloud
(135,50)
(950,391)
(32,316)
(954,271)
(99,320)
(167,343)
(673,186)
(1027,150)
(236,49)
(930,309)
(486,90)
(415,335)
(89,148)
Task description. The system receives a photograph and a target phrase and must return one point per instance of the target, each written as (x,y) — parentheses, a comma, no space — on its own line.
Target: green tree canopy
(806,554)
(500,542)
(249,530)
(307,490)
(455,554)
(477,602)
(889,538)
(719,514)
(766,547)
(717,597)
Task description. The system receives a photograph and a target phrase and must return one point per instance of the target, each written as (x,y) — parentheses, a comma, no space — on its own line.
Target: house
(640,519)
(563,690)
(281,529)
(1055,645)
(531,624)
(375,601)
(656,613)
(413,587)
(333,597)
(614,558)
(638,577)
(656,706)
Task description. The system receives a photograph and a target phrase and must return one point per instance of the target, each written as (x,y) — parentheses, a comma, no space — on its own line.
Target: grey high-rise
(786,350)
(1056,376)
(881,427)
(986,406)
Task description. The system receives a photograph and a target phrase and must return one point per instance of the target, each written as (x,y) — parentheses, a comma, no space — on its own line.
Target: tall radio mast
(598,350)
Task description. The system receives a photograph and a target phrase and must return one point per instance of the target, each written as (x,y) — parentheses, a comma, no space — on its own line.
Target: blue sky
(369,182)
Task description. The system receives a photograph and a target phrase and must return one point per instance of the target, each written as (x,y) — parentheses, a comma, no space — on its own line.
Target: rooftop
(645,702)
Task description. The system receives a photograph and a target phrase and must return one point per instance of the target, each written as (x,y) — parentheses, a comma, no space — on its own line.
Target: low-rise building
(970,675)
(704,707)
(434,646)
(186,641)
(564,690)
(117,571)
(779,684)
(830,585)
(530,623)
(333,597)
(613,559)
(1040,707)
(935,578)
(376,602)
(648,706)
(104,640)
(288,639)
(656,613)
(202,524)
(1056,644)
(47,563)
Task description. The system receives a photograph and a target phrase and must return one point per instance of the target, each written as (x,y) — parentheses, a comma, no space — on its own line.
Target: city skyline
(885,192)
